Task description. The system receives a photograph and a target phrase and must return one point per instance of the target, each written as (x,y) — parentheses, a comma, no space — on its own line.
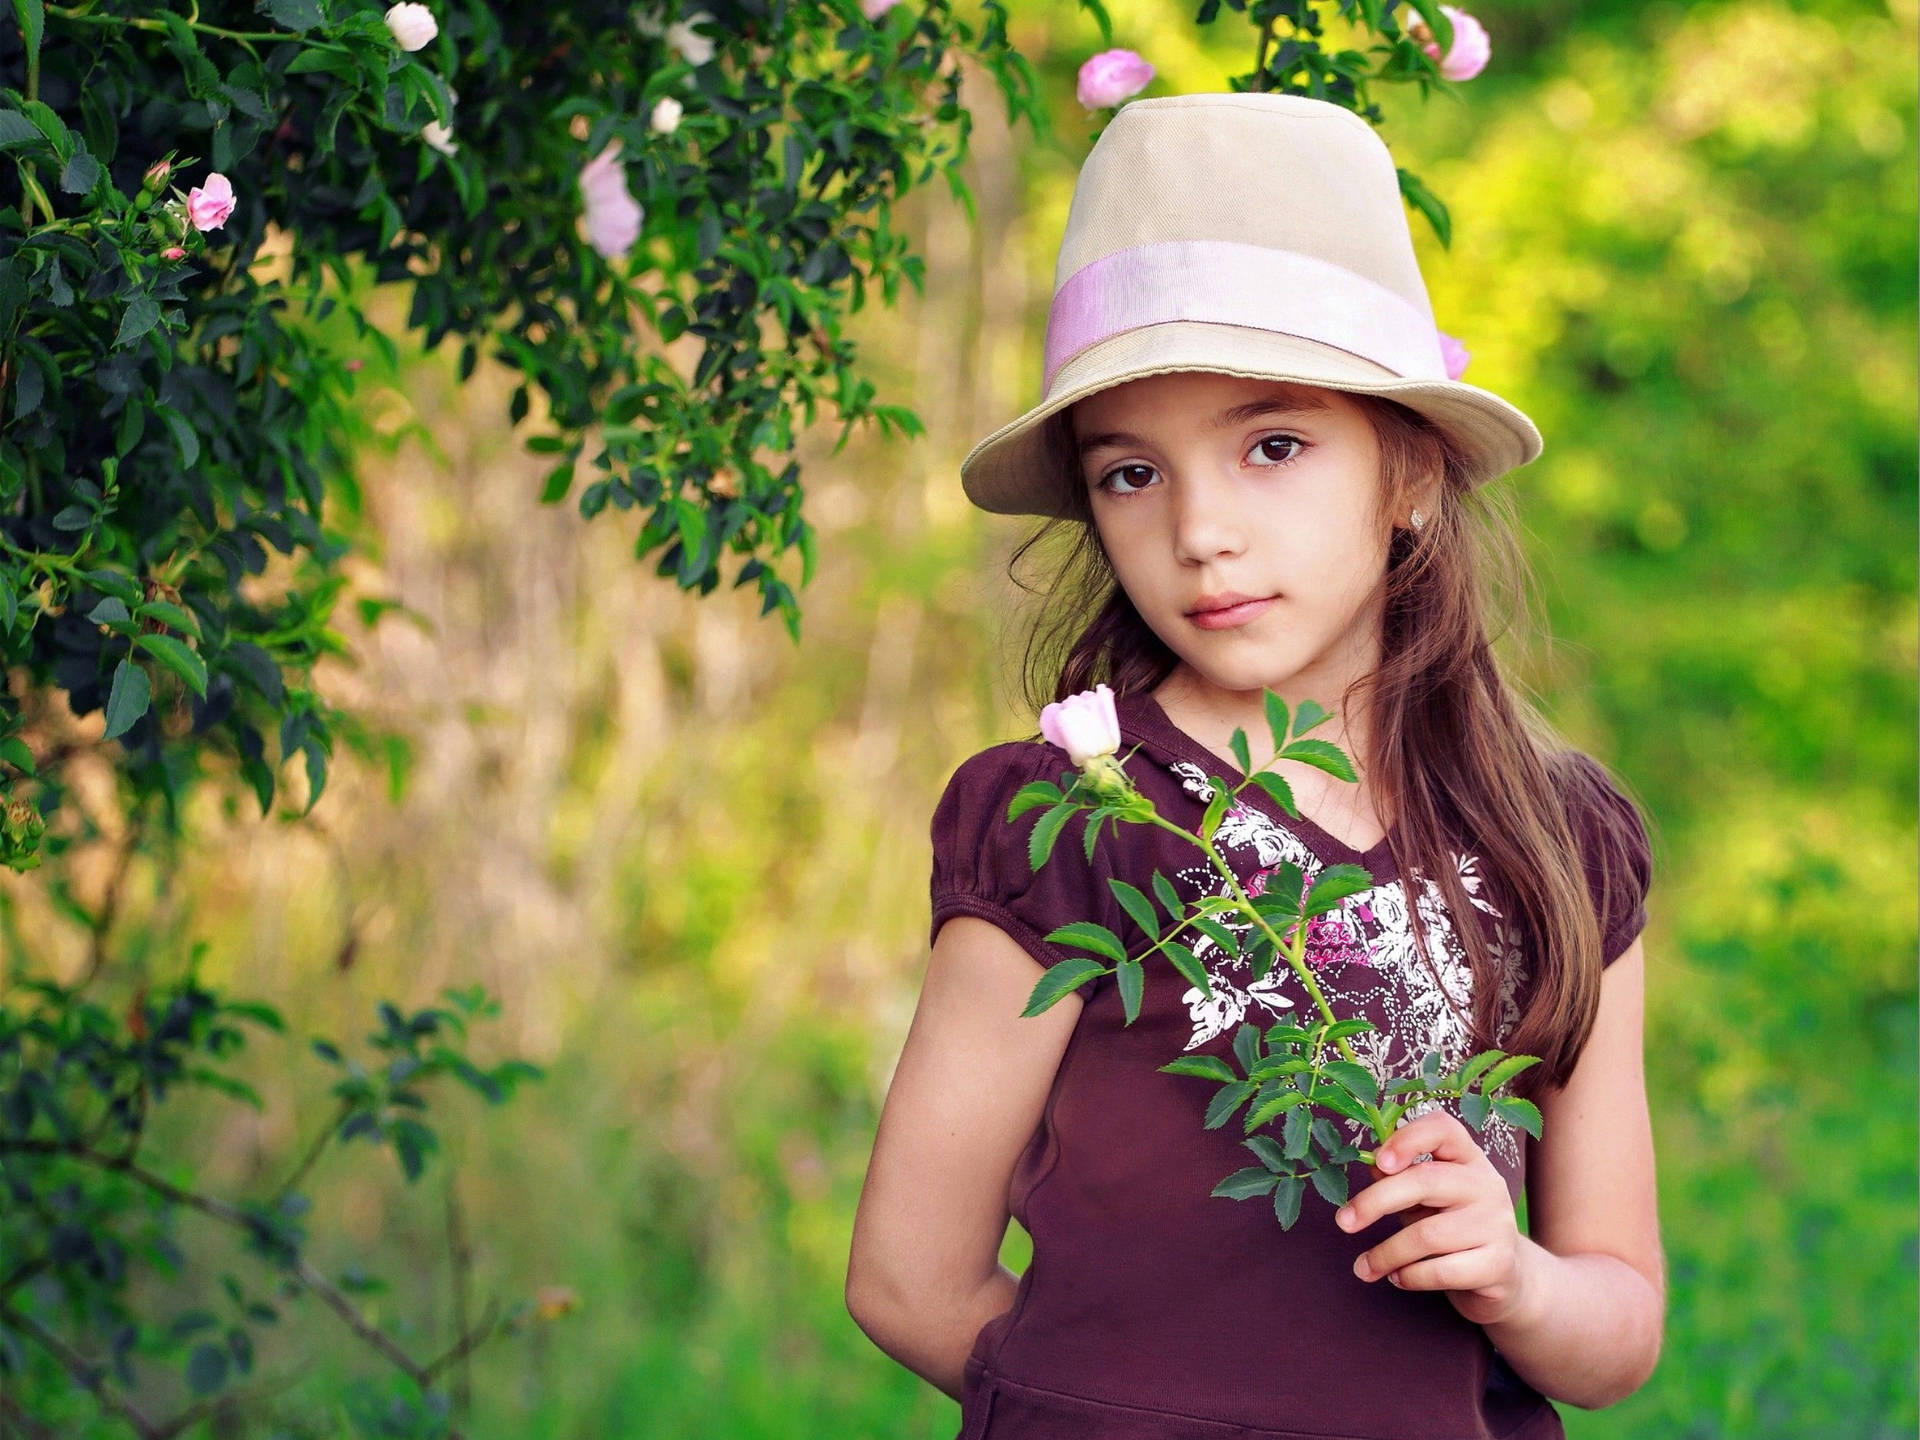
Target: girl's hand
(1459,1235)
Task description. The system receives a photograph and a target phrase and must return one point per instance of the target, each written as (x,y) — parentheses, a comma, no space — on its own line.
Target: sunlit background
(691,857)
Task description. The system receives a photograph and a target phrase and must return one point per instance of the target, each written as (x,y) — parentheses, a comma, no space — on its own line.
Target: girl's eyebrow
(1225,420)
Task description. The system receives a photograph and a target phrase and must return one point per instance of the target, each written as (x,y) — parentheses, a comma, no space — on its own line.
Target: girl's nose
(1205,518)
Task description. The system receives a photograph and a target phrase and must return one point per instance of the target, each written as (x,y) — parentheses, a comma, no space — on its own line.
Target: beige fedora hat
(1251,234)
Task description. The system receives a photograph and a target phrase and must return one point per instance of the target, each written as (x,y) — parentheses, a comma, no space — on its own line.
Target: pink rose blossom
(1456,355)
(1111,77)
(612,214)
(1083,725)
(209,205)
(874,9)
(173,252)
(413,26)
(1467,57)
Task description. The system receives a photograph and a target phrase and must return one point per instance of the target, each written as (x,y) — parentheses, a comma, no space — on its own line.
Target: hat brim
(1009,472)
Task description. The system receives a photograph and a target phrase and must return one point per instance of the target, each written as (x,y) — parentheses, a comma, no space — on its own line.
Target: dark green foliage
(173,428)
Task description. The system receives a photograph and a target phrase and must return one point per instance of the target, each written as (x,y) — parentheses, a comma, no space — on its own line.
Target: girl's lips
(1231,616)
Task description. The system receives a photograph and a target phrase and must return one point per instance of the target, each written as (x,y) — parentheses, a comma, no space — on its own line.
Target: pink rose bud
(1083,725)
(412,25)
(874,9)
(209,205)
(1111,77)
(1456,355)
(156,175)
(173,252)
(1467,56)
(611,213)
(355,363)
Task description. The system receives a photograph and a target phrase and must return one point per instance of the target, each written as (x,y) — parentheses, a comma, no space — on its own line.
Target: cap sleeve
(980,863)
(1612,835)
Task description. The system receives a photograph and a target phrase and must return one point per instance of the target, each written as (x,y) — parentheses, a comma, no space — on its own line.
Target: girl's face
(1201,484)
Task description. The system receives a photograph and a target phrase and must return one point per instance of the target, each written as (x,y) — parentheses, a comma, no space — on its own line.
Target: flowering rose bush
(1286,1070)
(716,180)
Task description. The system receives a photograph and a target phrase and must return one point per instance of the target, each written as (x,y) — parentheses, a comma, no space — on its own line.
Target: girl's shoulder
(1611,834)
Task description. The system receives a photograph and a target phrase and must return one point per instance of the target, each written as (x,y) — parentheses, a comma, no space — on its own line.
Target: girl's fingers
(1436,1235)
(1469,1269)
(1433,1184)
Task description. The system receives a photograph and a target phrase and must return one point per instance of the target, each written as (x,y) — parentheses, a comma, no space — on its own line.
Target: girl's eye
(1105,482)
(1268,446)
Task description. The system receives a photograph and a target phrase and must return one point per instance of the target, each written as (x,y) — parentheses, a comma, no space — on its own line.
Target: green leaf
(1266,1110)
(80,174)
(1268,1149)
(1357,1078)
(1045,831)
(16,129)
(1086,935)
(317,58)
(1127,975)
(178,658)
(1341,1029)
(1334,884)
(1136,905)
(110,611)
(132,693)
(1245,1184)
(1090,832)
(170,614)
(1322,755)
(1034,792)
(1230,1099)
(1341,1103)
(1286,1199)
(1246,1045)
(300,15)
(1276,719)
(1297,1134)
(143,313)
(1216,932)
(1100,18)
(1189,966)
(1473,1109)
(1169,897)
(1201,1067)
(33,23)
(1506,1070)
(1216,807)
(1282,793)
(1058,980)
(14,751)
(1307,717)
(1237,742)
(1478,1063)
(1283,1034)
(206,1369)
(1516,1111)
(1428,204)
(1331,1182)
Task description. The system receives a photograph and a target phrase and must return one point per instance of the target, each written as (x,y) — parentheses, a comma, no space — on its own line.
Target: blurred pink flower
(1456,355)
(1467,57)
(612,214)
(173,252)
(874,9)
(209,205)
(1111,77)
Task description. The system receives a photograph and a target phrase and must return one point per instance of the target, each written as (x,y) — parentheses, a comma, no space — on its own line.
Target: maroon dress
(1153,1310)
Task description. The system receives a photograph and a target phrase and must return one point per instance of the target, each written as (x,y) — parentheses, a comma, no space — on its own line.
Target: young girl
(1249,417)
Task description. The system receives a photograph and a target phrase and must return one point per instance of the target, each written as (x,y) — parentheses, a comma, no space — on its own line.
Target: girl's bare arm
(924,1273)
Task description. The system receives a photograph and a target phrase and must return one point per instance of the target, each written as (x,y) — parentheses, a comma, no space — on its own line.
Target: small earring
(1418,519)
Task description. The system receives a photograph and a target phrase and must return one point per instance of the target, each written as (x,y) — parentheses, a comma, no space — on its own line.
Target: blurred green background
(691,857)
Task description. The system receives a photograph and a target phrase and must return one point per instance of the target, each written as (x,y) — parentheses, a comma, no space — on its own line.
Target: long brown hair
(1461,754)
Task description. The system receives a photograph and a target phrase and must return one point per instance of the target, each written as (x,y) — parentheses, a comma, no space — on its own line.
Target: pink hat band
(1227,282)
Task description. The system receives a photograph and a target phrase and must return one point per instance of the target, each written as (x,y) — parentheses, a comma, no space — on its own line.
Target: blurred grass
(691,857)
